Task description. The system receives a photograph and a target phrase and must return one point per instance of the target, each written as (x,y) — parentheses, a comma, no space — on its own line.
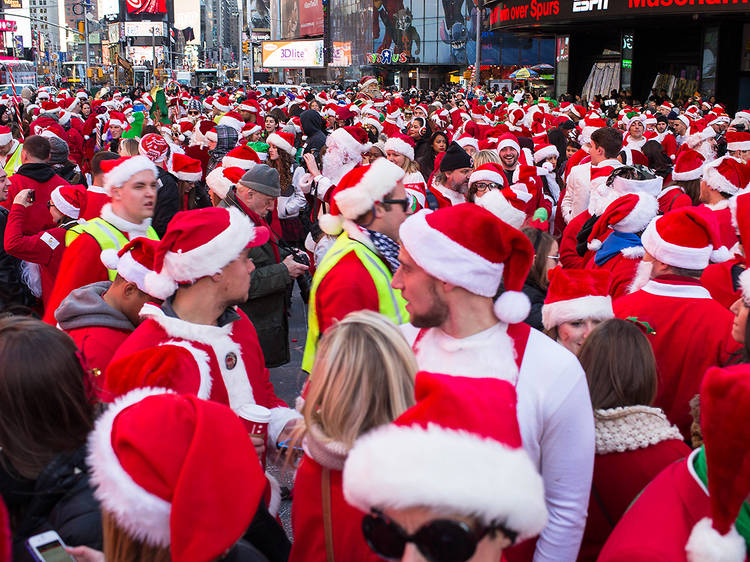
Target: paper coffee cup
(255,418)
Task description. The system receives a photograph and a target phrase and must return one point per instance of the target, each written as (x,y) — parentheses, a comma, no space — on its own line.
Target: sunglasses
(405,202)
(482,186)
(441,540)
(193,112)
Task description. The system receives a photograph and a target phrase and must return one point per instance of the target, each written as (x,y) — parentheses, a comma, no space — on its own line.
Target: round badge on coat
(230,360)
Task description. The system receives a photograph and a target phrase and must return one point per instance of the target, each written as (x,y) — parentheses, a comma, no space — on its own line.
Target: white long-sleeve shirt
(554,415)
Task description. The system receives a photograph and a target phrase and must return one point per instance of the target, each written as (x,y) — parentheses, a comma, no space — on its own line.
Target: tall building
(45,12)
(75,43)
(216,30)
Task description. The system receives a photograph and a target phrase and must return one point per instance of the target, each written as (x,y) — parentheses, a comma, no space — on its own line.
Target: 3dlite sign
(514,13)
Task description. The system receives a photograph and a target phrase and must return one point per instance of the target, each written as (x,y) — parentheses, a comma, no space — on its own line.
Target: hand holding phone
(48,547)
(32,196)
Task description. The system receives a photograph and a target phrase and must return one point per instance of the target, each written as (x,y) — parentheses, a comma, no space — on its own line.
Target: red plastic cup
(256,418)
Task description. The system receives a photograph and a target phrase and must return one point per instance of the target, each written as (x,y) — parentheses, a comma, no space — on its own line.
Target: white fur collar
(133,230)
(634,252)
(719,206)
(177,328)
(97,189)
(454,197)
(631,428)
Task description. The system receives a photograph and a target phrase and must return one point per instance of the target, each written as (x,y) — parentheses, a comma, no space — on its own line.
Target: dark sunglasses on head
(193,112)
(441,540)
(405,202)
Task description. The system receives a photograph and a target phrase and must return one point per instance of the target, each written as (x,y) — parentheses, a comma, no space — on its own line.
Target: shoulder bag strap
(325,489)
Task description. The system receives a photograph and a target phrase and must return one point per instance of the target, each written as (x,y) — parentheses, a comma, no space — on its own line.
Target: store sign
(342,53)
(146,6)
(144,29)
(514,13)
(293,54)
(11,4)
(386,56)
(8,25)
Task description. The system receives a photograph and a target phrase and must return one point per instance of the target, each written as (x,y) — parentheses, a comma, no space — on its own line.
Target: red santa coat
(618,479)
(43,248)
(228,363)
(98,345)
(673,197)
(307,519)
(693,333)
(723,215)
(621,267)
(38,217)
(719,281)
(658,525)
(569,258)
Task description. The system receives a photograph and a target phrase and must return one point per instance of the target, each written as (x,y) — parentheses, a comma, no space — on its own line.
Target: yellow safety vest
(390,302)
(107,236)
(14,162)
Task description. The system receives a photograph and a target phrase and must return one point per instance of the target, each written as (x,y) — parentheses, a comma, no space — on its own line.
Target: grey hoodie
(85,307)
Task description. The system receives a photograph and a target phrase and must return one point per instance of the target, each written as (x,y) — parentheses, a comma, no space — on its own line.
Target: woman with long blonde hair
(363,377)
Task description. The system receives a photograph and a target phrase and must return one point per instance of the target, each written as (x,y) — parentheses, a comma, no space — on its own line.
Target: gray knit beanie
(263,179)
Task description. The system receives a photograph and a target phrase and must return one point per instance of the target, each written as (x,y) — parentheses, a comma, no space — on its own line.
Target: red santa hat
(222,179)
(250,129)
(6,135)
(576,294)
(508,140)
(51,107)
(738,140)
(629,213)
(154,147)
(727,175)
(467,140)
(725,436)
(68,200)
(117,119)
(175,496)
(543,151)
(186,168)
(283,141)
(353,140)
(200,243)
(232,119)
(401,144)
(358,191)
(687,237)
(117,172)
(475,257)
(489,172)
(221,103)
(241,156)
(633,157)
(133,262)
(404,464)
(497,203)
(367,82)
(688,166)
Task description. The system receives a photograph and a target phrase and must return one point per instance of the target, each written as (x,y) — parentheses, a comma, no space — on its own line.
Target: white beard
(642,276)
(707,151)
(337,163)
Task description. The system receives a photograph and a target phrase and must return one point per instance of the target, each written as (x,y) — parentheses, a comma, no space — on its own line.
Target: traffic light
(81,27)
(244,46)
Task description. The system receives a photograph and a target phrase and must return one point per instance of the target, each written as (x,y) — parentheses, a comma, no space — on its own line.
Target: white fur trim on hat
(373,186)
(732,146)
(232,162)
(468,141)
(62,205)
(229,121)
(717,182)
(499,206)
(5,138)
(485,175)
(508,143)
(117,123)
(595,307)
(143,515)
(707,545)
(689,175)
(432,250)
(189,176)
(122,173)
(211,135)
(641,215)
(372,121)
(218,183)
(745,286)
(546,152)
(279,142)
(672,254)
(401,146)
(342,138)
(505,488)
(651,186)
(133,271)
(220,107)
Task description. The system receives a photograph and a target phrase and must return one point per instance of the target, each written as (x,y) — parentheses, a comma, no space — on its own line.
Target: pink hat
(358,191)
(727,175)
(688,166)
(200,243)
(117,172)
(470,247)
(283,141)
(576,294)
(400,144)
(165,488)
(241,157)
(154,147)
(68,200)
(221,179)
(629,213)
(186,168)
(134,261)
(404,464)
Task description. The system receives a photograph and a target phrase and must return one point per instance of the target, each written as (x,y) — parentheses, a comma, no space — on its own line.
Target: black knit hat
(454,158)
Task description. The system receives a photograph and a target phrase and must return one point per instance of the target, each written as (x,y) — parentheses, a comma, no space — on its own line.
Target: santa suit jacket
(228,362)
(43,180)
(307,519)
(673,197)
(554,415)
(719,279)
(621,267)
(569,257)
(658,525)
(444,196)
(693,333)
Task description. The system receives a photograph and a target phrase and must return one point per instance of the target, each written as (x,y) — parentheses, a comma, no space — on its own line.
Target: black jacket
(13,292)
(60,499)
(536,296)
(167,201)
(312,126)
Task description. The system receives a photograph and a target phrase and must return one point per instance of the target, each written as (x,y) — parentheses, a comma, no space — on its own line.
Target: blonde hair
(410,165)
(363,377)
(119,546)
(129,146)
(485,157)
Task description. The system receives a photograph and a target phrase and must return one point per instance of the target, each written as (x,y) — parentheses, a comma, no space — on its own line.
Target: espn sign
(589,5)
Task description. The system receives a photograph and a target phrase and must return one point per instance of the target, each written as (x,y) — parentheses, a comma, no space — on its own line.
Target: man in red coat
(132,183)
(450,185)
(697,510)
(692,331)
(722,179)
(203,272)
(35,173)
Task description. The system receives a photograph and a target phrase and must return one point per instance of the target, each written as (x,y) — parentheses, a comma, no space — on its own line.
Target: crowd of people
(527,326)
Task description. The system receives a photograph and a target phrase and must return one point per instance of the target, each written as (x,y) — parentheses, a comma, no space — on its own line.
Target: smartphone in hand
(48,547)
(32,196)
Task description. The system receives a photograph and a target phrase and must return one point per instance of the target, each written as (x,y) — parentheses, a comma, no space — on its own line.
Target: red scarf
(274,227)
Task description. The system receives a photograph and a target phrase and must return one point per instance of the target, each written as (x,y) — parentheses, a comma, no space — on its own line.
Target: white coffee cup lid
(254,412)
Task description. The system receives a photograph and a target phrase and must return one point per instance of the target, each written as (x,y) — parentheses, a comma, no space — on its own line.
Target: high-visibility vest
(390,302)
(14,162)
(107,236)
